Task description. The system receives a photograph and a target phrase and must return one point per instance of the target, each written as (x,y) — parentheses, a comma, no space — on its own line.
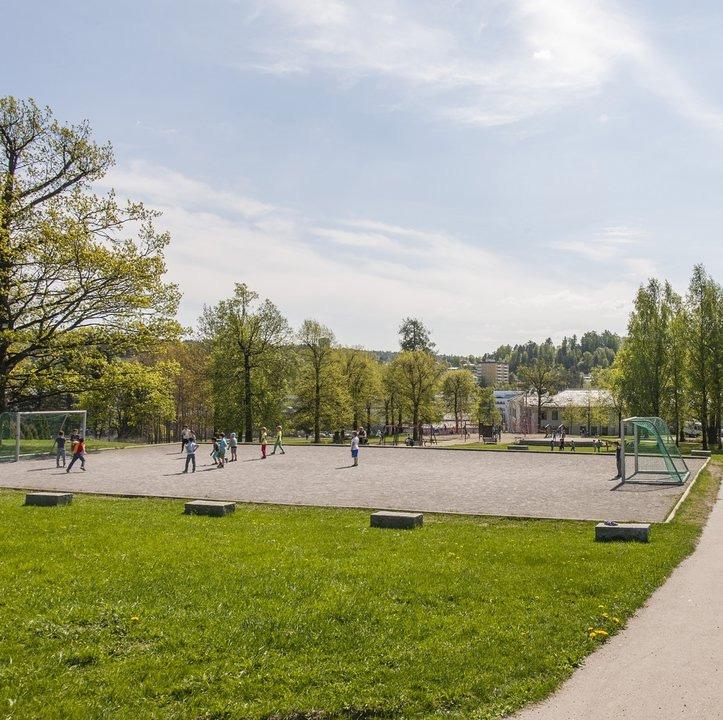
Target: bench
(518,448)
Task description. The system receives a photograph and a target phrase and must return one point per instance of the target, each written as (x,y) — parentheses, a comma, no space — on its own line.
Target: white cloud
(362,276)
(617,246)
(478,63)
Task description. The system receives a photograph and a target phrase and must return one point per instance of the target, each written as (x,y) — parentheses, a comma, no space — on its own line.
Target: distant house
(588,411)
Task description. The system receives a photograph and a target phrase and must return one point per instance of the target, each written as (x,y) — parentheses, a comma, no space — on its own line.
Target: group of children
(220,445)
(77,450)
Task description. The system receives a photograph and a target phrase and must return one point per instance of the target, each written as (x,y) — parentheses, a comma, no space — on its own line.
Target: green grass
(125,608)
(27,447)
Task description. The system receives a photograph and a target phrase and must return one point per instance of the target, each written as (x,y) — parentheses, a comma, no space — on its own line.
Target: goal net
(650,454)
(26,434)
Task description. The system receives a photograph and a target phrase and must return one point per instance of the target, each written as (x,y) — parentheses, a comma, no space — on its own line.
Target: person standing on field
(221,452)
(191,448)
(279,445)
(185,436)
(78,454)
(233,444)
(59,442)
(355,449)
(264,439)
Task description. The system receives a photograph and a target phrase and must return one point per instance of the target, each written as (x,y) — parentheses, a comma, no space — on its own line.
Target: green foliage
(415,335)
(362,378)
(543,377)
(416,377)
(248,343)
(487,412)
(322,398)
(126,608)
(131,398)
(574,356)
(459,390)
(80,275)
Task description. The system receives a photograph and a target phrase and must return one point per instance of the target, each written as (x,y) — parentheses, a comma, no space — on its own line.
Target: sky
(504,170)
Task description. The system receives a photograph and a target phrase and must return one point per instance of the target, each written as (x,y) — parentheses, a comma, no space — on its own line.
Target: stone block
(518,448)
(700,453)
(48,499)
(216,508)
(622,531)
(398,520)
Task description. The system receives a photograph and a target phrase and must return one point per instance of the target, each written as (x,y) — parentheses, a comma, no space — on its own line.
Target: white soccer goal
(23,434)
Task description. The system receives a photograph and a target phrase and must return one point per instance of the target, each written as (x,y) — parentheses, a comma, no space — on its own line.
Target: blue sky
(504,170)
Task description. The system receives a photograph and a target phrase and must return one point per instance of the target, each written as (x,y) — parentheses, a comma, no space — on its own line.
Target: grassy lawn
(120,608)
(7,447)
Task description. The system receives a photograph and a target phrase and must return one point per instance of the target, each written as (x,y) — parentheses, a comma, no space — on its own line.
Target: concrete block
(217,508)
(622,531)
(399,520)
(700,453)
(518,448)
(48,499)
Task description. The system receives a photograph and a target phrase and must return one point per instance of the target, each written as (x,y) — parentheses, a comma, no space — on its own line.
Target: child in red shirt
(78,454)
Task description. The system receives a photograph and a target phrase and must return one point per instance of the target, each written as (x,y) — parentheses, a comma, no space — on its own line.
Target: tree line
(88,320)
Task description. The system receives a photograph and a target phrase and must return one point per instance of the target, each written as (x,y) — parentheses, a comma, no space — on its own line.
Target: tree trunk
(248,409)
(415,423)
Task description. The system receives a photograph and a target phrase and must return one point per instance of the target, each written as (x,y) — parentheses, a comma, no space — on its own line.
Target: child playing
(78,454)
(278,445)
(355,448)
(214,450)
(191,448)
(60,450)
(233,444)
(264,441)
(221,452)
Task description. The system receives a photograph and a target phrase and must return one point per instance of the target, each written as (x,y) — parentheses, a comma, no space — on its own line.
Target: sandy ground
(488,483)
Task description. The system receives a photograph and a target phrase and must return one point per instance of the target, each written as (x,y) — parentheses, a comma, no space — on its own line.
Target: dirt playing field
(486,483)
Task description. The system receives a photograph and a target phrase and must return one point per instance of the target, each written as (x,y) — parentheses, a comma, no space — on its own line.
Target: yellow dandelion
(605,615)
(135,618)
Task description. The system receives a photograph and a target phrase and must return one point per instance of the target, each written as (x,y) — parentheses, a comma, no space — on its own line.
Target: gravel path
(569,486)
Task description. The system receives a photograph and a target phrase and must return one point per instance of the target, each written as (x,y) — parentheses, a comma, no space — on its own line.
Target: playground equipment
(656,459)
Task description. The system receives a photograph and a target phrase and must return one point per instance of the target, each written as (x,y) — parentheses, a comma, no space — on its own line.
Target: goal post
(33,432)
(649,453)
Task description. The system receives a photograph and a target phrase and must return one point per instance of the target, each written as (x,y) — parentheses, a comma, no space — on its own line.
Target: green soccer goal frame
(649,453)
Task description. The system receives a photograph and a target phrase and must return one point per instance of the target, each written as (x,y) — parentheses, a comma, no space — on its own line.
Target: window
(555,415)
(543,415)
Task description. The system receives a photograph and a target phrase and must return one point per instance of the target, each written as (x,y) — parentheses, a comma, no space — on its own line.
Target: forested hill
(579,355)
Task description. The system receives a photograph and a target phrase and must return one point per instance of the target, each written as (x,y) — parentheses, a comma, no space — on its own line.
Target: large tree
(247,335)
(703,303)
(417,377)
(542,377)
(459,389)
(644,358)
(415,335)
(79,272)
(363,382)
(322,396)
